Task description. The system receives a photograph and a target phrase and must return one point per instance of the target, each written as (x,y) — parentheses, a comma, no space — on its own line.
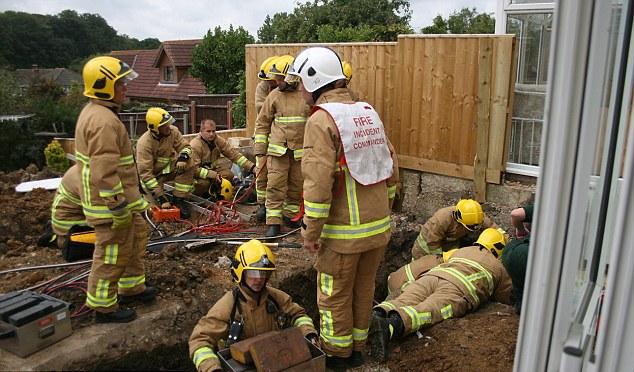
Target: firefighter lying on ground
(349,186)
(265,86)
(250,309)
(210,168)
(163,155)
(451,227)
(279,135)
(472,276)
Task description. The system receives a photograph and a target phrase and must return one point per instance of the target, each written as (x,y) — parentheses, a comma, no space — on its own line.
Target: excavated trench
(300,285)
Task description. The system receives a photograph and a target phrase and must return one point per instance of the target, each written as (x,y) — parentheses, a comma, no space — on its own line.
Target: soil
(482,341)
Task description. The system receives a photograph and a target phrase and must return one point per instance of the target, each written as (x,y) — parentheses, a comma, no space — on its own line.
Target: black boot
(47,237)
(379,337)
(290,223)
(356,359)
(145,297)
(181,204)
(260,214)
(336,363)
(119,316)
(274,230)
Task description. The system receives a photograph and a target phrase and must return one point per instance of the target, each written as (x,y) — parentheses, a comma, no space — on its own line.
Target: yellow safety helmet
(494,240)
(469,214)
(156,117)
(226,189)
(347,70)
(100,75)
(252,255)
(265,67)
(280,66)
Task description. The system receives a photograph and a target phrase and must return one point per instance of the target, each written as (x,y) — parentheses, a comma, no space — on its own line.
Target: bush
(56,157)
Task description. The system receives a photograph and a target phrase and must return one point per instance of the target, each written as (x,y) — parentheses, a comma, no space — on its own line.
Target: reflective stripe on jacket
(108,174)
(336,206)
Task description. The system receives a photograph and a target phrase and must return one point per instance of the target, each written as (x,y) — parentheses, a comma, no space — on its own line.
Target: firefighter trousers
(284,187)
(183,182)
(262,180)
(117,266)
(406,275)
(345,291)
(427,301)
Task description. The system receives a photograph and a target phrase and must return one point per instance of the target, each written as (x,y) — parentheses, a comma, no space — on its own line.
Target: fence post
(185,124)
(229,102)
(192,114)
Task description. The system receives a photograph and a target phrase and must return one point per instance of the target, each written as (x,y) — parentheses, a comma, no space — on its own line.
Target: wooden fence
(445,99)
(211,106)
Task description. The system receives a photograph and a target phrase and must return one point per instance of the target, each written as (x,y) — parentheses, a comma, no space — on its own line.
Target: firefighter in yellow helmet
(471,277)
(110,195)
(163,155)
(264,87)
(279,135)
(345,83)
(253,307)
(451,227)
(349,186)
(212,156)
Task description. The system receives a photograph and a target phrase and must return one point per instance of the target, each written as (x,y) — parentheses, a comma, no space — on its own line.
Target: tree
(338,20)
(219,59)
(465,21)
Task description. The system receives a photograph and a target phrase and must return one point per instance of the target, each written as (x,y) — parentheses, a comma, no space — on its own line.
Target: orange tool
(164,215)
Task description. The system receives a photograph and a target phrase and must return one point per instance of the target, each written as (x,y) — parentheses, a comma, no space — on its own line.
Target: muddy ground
(482,341)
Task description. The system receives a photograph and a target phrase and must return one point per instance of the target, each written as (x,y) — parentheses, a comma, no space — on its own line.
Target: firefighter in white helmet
(350,178)
(265,86)
(110,195)
(164,155)
(279,135)
(471,277)
(253,307)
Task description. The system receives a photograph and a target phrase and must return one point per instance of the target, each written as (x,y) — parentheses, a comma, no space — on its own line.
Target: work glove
(214,176)
(121,217)
(163,202)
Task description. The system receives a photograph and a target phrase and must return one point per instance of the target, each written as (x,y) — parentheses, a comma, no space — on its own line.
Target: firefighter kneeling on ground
(210,169)
(250,309)
(162,155)
(471,276)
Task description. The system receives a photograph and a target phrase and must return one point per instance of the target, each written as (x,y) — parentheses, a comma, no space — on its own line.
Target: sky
(190,19)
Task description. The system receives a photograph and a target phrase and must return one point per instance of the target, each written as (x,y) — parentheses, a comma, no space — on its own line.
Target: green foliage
(9,94)
(219,59)
(465,21)
(58,40)
(338,20)
(56,157)
(239,105)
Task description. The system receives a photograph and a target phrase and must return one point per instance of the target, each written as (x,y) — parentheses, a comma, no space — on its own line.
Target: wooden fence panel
(444,99)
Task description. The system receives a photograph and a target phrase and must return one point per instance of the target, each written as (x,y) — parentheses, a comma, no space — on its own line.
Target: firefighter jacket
(275,310)
(261,91)
(280,124)
(478,274)
(442,233)
(66,210)
(338,208)
(206,154)
(157,156)
(109,177)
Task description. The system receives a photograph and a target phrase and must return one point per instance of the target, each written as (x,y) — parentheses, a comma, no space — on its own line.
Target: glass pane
(533,32)
(532,1)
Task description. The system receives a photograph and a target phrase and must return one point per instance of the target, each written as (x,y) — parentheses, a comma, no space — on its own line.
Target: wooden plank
(443,168)
(426,99)
(484,117)
(416,80)
(458,100)
(280,351)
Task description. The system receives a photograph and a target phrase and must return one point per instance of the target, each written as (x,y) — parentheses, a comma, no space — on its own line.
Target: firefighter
(347,72)
(209,167)
(250,309)
(471,277)
(264,87)
(349,186)
(451,227)
(164,155)
(110,195)
(66,211)
(279,134)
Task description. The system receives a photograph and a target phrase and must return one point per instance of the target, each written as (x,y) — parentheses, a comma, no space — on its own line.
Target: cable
(53,266)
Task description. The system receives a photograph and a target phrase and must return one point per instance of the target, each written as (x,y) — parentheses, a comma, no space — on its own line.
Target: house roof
(147,86)
(178,51)
(61,76)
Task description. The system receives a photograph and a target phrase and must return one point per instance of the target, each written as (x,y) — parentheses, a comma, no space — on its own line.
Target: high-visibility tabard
(364,141)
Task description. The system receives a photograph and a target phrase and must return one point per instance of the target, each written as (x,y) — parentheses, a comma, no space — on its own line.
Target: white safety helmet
(317,66)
